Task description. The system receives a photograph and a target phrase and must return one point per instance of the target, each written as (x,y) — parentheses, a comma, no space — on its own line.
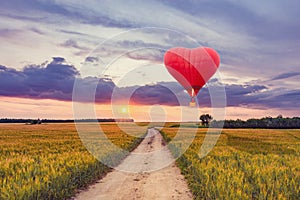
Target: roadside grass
(49,161)
(244,164)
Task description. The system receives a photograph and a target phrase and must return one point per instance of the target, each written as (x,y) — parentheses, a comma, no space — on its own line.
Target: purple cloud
(285,75)
(91,59)
(55,80)
(73,44)
(154,94)
(9,33)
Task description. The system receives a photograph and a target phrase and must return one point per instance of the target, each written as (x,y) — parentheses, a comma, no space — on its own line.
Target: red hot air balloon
(192,68)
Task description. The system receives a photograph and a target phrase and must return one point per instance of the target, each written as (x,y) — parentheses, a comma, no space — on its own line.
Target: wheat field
(244,164)
(49,161)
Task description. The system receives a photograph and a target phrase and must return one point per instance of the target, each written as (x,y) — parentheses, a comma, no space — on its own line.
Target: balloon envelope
(192,68)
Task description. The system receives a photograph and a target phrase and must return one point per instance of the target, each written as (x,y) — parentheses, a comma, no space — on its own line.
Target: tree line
(38,121)
(265,122)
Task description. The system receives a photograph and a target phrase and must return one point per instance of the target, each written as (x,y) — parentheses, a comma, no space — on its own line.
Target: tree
(38,121)
(205,119)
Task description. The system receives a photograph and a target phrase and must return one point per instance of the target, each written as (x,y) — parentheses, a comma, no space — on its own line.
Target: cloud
(58,60)
(9,33)
(55,80)
(254,39)
(154,94)
(285,75)
(70,43)
(153,55)
(91,59)
(272,21)
(134,49)
(230,26)
(254,96)
(93,89)
(37,31)
(288,99)
(266,17)
(35,81)
(73,32)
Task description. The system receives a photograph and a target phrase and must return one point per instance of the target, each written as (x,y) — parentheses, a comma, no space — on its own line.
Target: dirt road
(148,182)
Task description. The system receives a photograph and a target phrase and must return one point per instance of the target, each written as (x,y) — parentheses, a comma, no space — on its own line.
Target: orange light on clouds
(12,107)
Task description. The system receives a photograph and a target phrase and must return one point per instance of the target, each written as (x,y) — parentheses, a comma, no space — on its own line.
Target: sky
(51,49)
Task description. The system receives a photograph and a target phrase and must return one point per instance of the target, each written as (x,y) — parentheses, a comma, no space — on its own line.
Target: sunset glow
(53,109)
(56,44)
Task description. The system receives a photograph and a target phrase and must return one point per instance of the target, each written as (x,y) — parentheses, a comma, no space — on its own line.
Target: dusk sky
(119,46)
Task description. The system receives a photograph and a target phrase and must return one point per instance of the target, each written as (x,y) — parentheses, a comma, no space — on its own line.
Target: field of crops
(245,164)
(48,161)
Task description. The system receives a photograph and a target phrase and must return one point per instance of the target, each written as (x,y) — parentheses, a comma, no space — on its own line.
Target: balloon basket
(192,104)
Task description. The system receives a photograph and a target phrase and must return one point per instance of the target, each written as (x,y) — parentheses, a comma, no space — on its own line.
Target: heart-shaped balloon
(192,68)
